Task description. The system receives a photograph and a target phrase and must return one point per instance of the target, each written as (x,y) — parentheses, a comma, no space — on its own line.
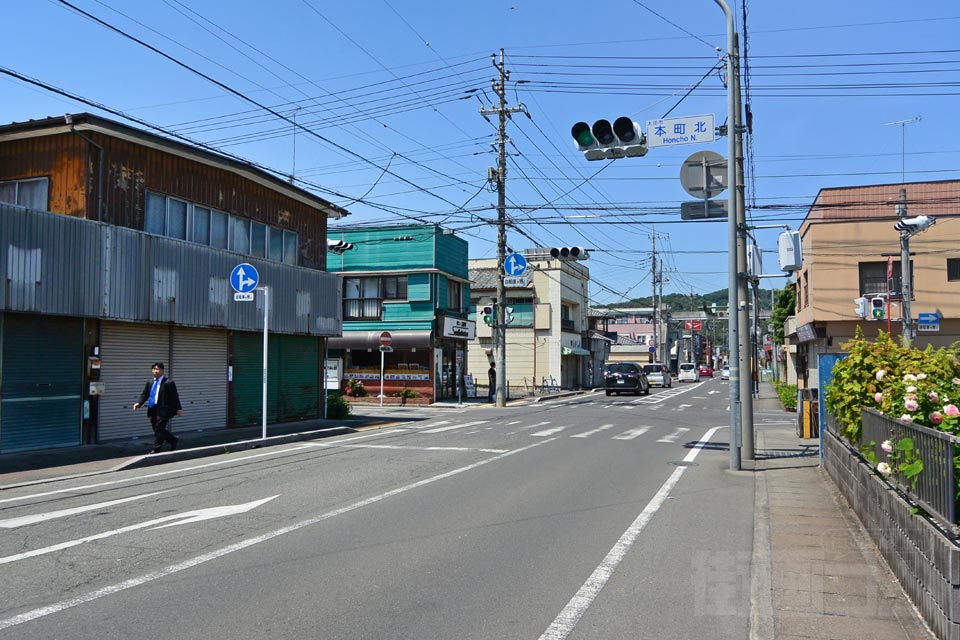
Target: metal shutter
(127,350)
(299,383)
(199,367)
(42,382)
(248,379)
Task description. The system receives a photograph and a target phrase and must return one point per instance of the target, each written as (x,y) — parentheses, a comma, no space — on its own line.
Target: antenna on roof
(903,162)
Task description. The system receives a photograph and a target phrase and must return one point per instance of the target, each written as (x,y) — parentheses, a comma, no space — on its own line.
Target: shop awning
(371,340)
(573,351)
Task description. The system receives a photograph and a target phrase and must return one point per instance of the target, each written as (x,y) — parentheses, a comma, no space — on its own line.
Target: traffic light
(338,246)
(878,307)
(603,141)
(489,314)
(915,225)
(507,315)
(861,308)
(570,253)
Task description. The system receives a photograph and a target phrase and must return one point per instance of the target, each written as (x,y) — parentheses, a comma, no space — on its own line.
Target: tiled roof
(879,201)
(483,279)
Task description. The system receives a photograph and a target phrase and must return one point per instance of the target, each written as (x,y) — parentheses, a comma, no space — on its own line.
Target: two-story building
(852,249)
(550,338)
(116,251)
(410,281)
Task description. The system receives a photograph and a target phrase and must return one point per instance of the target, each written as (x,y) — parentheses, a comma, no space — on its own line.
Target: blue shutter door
(40,397)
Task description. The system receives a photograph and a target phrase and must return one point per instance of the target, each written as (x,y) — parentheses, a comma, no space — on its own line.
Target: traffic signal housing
(569,253)
(861,308)
(878,307)
(338,246)
(507,315)
(489,314)
(604,141)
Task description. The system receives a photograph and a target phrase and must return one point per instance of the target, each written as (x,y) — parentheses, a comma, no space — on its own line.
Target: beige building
(549,339)
(849,242)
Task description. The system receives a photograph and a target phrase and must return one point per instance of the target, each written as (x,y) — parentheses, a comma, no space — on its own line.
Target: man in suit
(163,402)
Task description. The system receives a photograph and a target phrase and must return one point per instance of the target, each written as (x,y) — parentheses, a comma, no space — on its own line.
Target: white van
(658,375)
(689,372)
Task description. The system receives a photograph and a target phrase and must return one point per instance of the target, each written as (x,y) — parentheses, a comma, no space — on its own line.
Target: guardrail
(935,488)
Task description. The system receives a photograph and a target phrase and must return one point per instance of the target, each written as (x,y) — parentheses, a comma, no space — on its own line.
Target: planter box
(924,559)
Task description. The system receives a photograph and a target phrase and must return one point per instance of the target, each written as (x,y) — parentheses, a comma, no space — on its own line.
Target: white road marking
(456,426)
(684,406)
(587,434)
(183,518)
(431,424)
(41,612)
(534,426)
(402,448)
(568,618)
(13,523)
(513,423)
(631,434)
(673,437)
(550,431)
(713,391)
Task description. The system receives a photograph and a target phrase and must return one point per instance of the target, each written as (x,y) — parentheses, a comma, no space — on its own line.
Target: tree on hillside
(785,307)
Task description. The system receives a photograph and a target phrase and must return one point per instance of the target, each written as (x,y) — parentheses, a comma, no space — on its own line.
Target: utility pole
(906,286)
(500,329)
(653,298)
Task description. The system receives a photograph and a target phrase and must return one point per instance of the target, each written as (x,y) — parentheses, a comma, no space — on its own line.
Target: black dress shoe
(173,445)
(155,451)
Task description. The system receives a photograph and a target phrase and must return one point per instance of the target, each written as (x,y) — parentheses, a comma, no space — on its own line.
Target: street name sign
(671,132)
(243,297)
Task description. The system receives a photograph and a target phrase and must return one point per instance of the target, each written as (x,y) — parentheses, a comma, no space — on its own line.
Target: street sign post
(244,280)
(386,340)
(514,265)
(676,131)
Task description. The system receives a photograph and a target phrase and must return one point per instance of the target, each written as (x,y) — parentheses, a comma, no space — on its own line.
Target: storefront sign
(334,367)
(459,329)
(806,333)
(389,375)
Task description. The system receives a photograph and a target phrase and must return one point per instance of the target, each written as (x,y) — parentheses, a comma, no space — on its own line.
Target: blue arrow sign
(515,265)
(244,278)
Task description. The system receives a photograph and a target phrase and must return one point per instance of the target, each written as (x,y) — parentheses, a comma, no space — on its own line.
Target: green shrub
(788,395)
(337,406)
(355,388)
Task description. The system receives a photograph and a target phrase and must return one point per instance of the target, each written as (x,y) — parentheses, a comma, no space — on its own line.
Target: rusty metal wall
(56,264)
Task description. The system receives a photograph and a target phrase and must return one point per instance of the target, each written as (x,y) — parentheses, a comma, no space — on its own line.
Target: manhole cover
(683,463)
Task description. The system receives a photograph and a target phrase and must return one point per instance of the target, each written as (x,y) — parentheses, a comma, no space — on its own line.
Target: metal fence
(935,488)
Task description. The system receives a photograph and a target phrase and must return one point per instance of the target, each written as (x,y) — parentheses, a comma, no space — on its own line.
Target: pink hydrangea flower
(907,417)
(878,397)
(884,468)
(887,446)
(910,404)
(936,417)
(951,411)
(956,382)
(933,396)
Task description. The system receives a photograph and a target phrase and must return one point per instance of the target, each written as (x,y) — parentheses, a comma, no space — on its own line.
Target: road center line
(218,553)
(564,623)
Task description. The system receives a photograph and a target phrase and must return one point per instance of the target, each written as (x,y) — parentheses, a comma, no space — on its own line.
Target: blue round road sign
(244,278)
(515,265)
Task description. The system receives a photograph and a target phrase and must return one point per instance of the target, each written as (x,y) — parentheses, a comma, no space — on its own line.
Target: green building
(412,282)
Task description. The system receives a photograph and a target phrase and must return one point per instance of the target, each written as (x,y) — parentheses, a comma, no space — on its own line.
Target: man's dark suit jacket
(168,400)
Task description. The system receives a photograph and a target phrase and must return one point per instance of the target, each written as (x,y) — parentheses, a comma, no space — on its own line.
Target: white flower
(907,417)
(909,378)
(921,376)
(884,468)
(882,373)
(911,389)
(887,446)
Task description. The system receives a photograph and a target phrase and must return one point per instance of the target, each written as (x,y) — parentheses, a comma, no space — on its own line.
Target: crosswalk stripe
(456,426)
(592,431)
(550,431)
(631,434)
(673,437)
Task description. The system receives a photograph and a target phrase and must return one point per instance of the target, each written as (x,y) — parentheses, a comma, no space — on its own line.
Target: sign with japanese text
(674,131)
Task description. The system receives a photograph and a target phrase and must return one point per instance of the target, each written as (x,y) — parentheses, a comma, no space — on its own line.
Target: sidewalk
(816,573)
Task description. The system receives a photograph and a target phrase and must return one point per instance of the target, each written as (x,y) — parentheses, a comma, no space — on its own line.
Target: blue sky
(390,92)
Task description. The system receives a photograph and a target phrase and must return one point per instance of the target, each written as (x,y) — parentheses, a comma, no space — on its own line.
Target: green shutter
(299,378)
(248,379)
(42,382)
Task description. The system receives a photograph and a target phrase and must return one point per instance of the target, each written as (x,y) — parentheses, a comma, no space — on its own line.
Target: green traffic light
(581,133)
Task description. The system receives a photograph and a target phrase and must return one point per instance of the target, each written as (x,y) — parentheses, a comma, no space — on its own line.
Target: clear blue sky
(390,91)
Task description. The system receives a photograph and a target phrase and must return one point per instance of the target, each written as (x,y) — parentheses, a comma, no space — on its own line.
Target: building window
(454,295)
(873,278)
(953,269)
(219,230)
(361,299)
(806,288)
(31,193)
(201,225)
(395,288)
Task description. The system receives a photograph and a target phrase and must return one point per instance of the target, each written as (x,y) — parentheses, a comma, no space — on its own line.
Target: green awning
(573,351)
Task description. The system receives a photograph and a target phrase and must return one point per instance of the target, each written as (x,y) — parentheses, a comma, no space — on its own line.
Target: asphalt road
(590,517)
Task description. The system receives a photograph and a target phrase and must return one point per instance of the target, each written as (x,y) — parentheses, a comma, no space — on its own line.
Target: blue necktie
(153,393)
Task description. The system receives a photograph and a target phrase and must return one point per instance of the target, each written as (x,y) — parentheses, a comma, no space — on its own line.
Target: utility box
(791,251)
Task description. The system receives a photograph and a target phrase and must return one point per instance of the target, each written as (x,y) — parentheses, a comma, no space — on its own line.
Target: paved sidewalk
(816,572)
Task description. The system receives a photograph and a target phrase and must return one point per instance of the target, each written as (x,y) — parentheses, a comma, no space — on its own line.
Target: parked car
(688,373)
(658,375)
(706,371)
(621,377)
(725,372)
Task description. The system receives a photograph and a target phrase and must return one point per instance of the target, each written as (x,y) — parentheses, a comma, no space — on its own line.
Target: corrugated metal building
(116,247)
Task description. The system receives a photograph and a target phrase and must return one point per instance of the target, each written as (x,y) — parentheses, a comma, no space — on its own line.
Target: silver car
(689,373)
(658,375)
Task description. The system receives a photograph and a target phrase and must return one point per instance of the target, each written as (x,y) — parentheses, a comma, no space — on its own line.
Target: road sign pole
(383,355)
(266,315)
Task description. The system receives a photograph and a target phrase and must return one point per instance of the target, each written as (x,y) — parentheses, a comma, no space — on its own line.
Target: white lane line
(587,434)
(550,431)
(13,523)
(683,406)
(401,448)
(513,423)
(630,434)
(430,424)
(456,426)
(534,426)
(673,437)
(564,623)
(97,485)
(41,612)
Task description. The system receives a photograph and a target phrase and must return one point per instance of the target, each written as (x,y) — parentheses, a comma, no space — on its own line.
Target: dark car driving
(621,377)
